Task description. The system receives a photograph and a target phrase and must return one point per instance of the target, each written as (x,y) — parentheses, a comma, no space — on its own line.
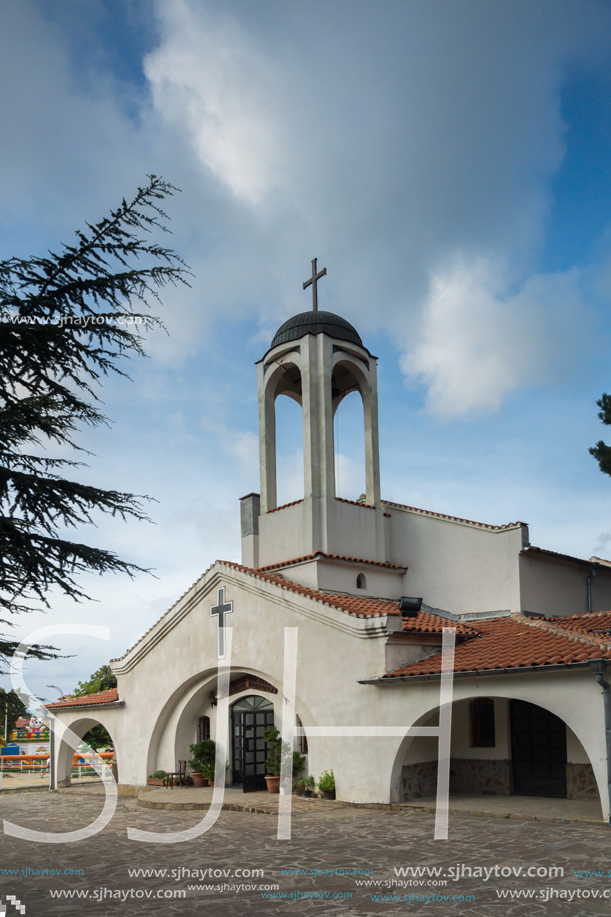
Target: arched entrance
(500,746)
(74,761)
(250,717)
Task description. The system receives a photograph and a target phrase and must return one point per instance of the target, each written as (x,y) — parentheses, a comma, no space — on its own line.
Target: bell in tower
(316,358)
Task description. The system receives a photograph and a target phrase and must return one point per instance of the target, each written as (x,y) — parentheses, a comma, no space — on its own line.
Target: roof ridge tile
(428,512)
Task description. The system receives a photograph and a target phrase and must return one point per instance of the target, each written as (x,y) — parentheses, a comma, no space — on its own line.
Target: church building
(367,588)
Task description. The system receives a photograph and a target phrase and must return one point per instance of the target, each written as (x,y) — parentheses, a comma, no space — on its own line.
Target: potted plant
(276,755)
(210,770)
(326,785)
(299,787)
(273,762)
(308,786)
(202,762)
(157,779)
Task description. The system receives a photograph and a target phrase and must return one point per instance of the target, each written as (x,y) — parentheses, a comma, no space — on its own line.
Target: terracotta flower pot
(327,794)
(199,780)
(273,784)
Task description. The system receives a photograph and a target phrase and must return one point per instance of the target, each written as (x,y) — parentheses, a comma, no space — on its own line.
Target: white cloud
(477,345)
(210,80)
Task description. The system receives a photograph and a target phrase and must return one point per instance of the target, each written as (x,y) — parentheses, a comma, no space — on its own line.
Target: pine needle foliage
(11,707)
(67,320)
(602,452)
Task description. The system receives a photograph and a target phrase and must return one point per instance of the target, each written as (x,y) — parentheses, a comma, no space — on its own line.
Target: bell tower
(316,358)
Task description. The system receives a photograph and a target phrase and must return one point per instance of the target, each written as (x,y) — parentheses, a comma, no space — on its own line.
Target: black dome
(316,323)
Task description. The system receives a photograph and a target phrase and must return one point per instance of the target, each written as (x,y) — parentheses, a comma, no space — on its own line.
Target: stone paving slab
(234,800)
(20,783)
(318,872)
(529,808)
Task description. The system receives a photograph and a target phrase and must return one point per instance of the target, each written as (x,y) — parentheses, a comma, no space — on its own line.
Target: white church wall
(323,574)
(462,746)
(163,674)
(305,574)
(353,530)
(575,752)
(403,648)
(185,659)
(573,696)
(557,588)
(283,533)
(380,582)
(456,566)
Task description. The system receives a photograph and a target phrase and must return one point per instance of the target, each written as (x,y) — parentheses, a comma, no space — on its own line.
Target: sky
(449,163)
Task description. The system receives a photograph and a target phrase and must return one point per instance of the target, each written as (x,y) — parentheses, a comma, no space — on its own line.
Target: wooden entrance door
(538,745)
(250,717)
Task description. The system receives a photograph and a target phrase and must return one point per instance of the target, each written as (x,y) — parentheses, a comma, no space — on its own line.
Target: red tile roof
(111,696)
(284,506)
(356,560)
(355,503)
(594,623)
(359,606)
(362,607)
(515,642)
(427,512)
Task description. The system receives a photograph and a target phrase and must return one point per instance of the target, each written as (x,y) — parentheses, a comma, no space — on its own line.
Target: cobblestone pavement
(359,845)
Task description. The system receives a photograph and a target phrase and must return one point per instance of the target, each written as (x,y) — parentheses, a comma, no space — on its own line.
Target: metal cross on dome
(314,282)
(219,611)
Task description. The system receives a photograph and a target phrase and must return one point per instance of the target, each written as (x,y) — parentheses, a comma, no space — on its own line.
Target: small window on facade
(482,723)
(203,728)
(302,742)
(361,581)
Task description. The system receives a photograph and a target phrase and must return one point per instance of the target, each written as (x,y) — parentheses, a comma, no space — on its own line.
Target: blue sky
(450,165)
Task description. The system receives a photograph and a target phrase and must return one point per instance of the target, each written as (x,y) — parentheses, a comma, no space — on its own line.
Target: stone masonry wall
(580,782)
(467,775)
(478,776)
(418,780)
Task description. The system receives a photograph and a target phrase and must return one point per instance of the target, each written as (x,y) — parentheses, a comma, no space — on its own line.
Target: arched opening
(289,450)
(285,431)
(81,755)
(361,581)
(250,717)
(500,747)
(348,434)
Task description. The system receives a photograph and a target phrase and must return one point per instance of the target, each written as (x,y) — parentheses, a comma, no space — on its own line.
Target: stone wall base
(127,789)
(418,780)
(467,775)
(478,776)
(580,782)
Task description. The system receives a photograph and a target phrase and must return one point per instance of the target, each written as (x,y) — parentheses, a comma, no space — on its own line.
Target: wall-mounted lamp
(212,698)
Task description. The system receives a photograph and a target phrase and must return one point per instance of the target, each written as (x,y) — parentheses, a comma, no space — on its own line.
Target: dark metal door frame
(250,717)
(538,751)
